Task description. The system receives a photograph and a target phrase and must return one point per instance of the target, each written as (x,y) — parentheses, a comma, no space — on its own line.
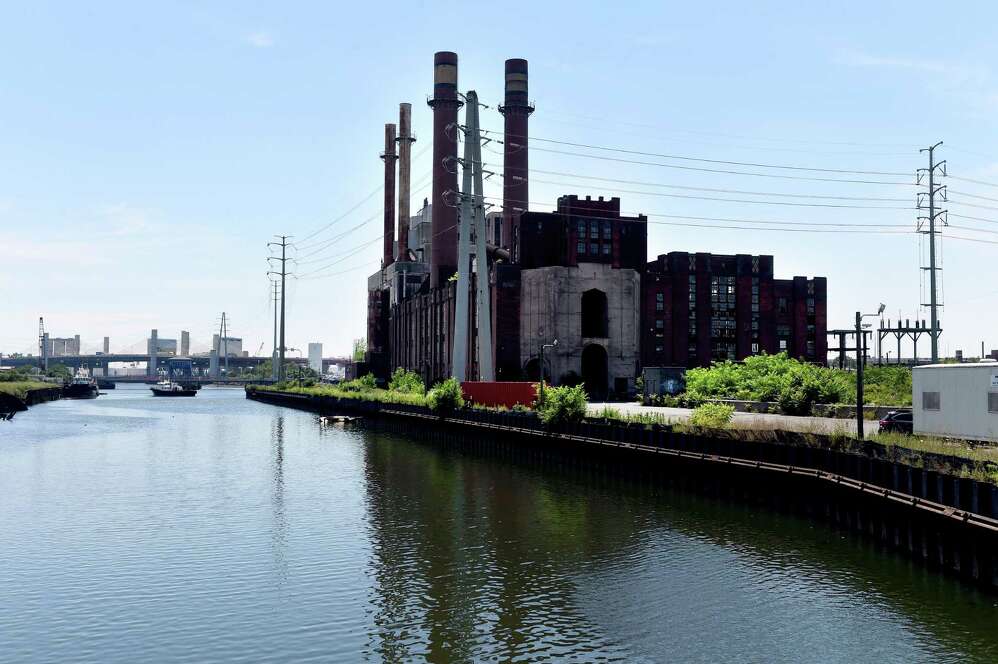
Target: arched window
(594,318)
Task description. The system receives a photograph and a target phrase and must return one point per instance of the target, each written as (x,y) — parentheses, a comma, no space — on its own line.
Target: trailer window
(993,402)
(930,401)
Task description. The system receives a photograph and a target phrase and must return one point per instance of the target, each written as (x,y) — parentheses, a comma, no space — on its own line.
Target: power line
(963,193)
(975,205)
(703,160)
(618,121)
(362,201)
(724,191)
(966,216)
(725,171)
(981,182)
(818,226)
(742,200)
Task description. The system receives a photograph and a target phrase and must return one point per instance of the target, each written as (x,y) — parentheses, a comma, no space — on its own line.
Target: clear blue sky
(149,153)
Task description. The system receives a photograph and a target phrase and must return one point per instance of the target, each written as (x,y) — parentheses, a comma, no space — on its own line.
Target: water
(218,529)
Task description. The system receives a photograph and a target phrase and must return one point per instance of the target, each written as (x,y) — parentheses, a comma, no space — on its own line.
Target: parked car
(897,420)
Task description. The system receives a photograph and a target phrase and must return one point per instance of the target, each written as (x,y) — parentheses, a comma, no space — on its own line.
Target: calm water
(217,529)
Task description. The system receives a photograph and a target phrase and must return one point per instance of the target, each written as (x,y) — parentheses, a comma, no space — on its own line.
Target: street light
(860,352)
(540,396)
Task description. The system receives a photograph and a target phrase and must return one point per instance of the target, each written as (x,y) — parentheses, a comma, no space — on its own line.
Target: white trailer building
(957,400)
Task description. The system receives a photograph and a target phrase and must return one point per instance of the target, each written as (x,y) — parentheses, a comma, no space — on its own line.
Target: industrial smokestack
(389,158)
(516,110)
(443,225)
(405,156)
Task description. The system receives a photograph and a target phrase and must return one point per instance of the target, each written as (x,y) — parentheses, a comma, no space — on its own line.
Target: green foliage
(20,389)
(712,415)
(794,384)
(887,386)
(406,382)
(59,371)
(359,349)
(364,383)
(336,391)
(609,413)
(563,404)
(445,396)
(520,408)
(17,374)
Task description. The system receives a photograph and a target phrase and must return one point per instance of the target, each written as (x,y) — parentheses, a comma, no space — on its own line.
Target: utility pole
(223,341)
(273,354)
(860,338)
(931,219)
(472,215)
(283,244)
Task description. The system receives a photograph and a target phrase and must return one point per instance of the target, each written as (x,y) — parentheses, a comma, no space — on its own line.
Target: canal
(218,529)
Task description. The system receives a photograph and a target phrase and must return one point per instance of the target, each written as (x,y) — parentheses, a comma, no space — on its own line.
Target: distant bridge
(203,362)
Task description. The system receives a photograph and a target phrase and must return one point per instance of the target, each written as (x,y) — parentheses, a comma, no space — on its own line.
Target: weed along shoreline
(933,508)
(16,397)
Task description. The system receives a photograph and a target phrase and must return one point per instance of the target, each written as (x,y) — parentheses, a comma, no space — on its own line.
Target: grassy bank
(566,405)
(20,389)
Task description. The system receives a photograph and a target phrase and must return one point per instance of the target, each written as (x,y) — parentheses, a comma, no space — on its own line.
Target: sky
(149,152)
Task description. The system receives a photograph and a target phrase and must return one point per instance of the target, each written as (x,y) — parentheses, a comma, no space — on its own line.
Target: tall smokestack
(443,225)
(516,110)
(405,157)
(389,157)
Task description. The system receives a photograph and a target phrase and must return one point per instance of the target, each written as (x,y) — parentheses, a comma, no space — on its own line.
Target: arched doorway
(532,369)
(594,314)
(594,371)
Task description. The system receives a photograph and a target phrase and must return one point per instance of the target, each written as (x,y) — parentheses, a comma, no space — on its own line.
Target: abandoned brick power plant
(579,274)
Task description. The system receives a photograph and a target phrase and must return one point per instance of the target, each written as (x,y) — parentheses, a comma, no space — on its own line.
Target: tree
(359,349)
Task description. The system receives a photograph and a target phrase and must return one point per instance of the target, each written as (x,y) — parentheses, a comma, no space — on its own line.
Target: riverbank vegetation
(20,388)
(794,385)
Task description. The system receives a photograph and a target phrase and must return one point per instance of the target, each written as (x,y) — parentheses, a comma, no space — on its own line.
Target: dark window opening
(594,314)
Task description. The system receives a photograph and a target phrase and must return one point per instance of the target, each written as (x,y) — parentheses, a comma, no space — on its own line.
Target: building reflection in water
(479,557)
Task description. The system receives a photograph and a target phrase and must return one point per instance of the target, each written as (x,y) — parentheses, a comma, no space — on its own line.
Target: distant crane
(43,354)
(260,349)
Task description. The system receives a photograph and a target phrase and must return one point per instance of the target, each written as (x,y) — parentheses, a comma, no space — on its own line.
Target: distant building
(163,346)
(63,346)
(315,357)
(185,343)
(231,346)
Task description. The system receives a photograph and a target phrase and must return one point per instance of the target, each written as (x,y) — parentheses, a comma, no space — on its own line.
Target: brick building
(579,274)
(700,308)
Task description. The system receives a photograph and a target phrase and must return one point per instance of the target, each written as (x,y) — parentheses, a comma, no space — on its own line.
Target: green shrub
(563,404)
(609,413)
(520,408)
(366,382)
(445,396)
(406,382)
(712,415)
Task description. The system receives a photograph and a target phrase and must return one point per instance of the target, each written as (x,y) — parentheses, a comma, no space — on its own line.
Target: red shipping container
(498,393)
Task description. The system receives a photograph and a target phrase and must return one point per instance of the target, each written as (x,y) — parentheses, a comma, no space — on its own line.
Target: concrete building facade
(315,357)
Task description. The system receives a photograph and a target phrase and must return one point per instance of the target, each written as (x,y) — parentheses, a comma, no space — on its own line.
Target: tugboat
(81,387)
(179,380)
(167,388)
